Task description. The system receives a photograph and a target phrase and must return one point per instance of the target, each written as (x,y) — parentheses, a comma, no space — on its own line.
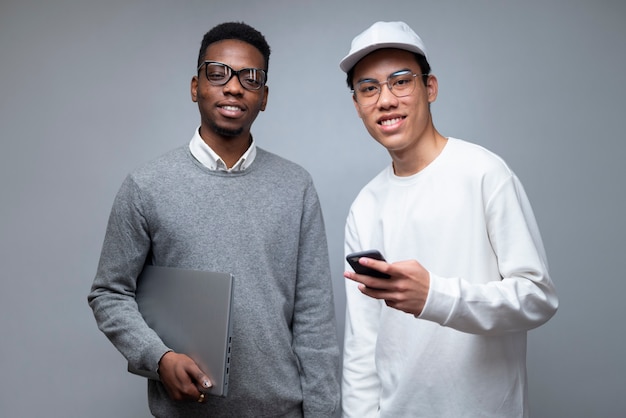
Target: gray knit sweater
(265,226)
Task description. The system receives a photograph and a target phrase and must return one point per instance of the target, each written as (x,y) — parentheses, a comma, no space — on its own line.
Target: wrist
(161,359)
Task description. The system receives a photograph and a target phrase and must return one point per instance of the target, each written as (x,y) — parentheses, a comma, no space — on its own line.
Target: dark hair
(421,61)
(239,31)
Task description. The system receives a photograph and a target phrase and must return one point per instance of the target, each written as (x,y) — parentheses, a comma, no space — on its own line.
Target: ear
(266,91)
(194,89)
(356,106)
(432,88)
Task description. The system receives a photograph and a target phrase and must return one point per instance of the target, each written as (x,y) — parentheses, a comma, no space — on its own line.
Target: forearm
(510,305)
(118,318)
(314,326)
(504,286)
(112,298)
(316,346)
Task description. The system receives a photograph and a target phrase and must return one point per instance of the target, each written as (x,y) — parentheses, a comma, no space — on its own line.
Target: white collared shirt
(209,158)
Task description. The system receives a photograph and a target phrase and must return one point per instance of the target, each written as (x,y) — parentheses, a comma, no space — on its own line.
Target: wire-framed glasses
(401,84)
(218,74)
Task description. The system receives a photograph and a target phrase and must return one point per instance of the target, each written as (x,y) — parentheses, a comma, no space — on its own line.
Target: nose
(233,86)
(386,98)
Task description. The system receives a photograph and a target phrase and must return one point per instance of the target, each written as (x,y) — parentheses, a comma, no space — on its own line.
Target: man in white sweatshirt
(445,334)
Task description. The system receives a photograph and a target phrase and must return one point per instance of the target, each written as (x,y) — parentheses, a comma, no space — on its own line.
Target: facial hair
(225,132)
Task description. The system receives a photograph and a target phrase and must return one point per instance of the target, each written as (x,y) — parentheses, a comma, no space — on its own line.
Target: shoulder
(474,159)
(474,167)
(160,173)
(161,166)
(471,151)
(275,165)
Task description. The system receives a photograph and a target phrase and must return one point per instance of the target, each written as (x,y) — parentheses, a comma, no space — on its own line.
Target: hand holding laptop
(190,310)
(182,377)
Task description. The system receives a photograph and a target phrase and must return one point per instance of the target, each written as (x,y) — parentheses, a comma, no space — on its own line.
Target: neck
(413,160)
(229,148)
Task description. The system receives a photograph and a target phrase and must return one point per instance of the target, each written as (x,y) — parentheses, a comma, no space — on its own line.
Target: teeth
(230,107)
(390,121)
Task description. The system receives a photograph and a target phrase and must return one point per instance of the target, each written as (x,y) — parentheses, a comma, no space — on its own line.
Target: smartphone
(353,260)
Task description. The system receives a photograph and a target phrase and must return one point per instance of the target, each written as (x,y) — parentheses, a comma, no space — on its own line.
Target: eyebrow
(404,70)
(231,67)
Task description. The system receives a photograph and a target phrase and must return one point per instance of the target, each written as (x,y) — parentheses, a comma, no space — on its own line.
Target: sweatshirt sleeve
(314,328)
(360,382)
(524,297)
(112,297)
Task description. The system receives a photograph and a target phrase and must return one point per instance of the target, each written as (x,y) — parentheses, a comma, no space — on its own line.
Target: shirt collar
(209,158)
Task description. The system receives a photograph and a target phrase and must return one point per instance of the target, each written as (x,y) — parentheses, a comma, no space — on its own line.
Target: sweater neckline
(407,180)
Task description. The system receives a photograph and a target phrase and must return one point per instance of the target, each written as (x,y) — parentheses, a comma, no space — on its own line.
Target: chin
(226,131)
(392,143)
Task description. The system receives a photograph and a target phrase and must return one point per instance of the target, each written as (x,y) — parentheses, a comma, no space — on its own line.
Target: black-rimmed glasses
(400,84)
(218,74)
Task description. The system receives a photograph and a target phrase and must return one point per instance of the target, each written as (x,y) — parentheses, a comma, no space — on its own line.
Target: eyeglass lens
(219,74)
(400,84)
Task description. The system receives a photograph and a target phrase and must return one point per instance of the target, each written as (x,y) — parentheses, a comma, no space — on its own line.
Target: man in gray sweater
(220,203)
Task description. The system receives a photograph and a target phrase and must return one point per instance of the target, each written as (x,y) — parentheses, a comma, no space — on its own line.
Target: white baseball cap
(382,35)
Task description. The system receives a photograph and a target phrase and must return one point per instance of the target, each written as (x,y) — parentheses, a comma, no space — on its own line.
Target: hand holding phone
(353,260)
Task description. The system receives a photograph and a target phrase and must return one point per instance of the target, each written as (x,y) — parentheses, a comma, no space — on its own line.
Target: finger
(361,278)
(197,377)
(203,381)
(373,292)
(374,283)
(373,263)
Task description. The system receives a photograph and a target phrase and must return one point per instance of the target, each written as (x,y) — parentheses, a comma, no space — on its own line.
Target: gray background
(91,89)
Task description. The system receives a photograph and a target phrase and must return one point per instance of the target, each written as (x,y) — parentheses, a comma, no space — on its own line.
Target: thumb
(201,380)
(204,381)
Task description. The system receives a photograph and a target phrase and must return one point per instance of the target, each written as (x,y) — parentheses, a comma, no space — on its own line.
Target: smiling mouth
(388,122)
(231,108)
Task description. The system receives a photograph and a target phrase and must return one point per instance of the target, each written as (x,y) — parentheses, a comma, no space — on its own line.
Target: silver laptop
(191,311)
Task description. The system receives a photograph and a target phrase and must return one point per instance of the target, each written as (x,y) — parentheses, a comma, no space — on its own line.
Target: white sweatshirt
(467,220)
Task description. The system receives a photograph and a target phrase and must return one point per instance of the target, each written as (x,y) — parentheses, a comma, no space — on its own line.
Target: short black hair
(421,61)
(235,30)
